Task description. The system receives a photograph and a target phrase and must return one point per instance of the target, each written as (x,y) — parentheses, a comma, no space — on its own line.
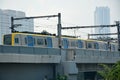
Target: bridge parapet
(20,54)
(92,56)
(29,50)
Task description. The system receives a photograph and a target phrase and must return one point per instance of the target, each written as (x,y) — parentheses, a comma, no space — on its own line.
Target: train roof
(84,39)
(94,40)
(52,35)
(35,34)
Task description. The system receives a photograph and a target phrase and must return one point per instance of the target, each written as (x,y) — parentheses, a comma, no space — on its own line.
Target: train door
(30,40)
(49,42)
(96,45)
(80,44)
(65,43)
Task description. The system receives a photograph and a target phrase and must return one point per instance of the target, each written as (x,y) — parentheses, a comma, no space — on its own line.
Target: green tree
(110,73)
(106,72)
(115,71)
(61,77)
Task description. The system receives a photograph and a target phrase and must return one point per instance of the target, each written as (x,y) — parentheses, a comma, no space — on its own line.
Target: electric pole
(59,30)
(118,32)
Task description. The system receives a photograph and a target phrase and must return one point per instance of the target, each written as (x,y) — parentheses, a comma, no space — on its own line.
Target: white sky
(74,12)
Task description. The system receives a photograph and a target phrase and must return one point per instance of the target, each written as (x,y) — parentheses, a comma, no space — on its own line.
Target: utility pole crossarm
(88,26)
(49,16)
(103,34)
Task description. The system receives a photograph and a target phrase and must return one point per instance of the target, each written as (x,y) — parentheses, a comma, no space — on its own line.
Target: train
(48,41)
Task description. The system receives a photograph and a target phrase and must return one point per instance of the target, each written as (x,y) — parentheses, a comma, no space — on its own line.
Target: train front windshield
(7,40)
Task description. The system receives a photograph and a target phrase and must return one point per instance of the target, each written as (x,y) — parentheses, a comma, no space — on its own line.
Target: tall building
(102,17)
(5,22)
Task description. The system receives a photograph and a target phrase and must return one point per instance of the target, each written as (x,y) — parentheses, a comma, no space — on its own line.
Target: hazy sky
(74,12)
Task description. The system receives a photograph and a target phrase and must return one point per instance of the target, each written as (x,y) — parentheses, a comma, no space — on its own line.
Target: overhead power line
(88,26)
(103,34)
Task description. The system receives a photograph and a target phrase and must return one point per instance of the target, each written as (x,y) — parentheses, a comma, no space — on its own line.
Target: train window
(96,45)
(89,45)
(16,40)
(73,44)
(40,41)
(80,44)
(7,40)
(45,42)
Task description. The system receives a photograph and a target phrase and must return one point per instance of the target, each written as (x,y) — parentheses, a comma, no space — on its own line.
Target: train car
(24,39)
(38,40)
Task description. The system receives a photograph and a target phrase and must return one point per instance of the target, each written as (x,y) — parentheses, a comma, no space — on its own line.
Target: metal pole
(88,36)
(59,30)
(118,31)
(12,25)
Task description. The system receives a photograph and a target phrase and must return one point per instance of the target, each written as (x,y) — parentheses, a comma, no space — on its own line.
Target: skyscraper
(5,22)
(102,17)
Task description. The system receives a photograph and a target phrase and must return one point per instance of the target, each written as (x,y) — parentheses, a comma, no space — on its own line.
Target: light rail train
(38,40)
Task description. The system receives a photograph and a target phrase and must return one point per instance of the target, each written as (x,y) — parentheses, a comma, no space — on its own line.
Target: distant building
(5,22)
(102,17)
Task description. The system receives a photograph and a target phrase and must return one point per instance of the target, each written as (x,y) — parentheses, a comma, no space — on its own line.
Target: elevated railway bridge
(34,63)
